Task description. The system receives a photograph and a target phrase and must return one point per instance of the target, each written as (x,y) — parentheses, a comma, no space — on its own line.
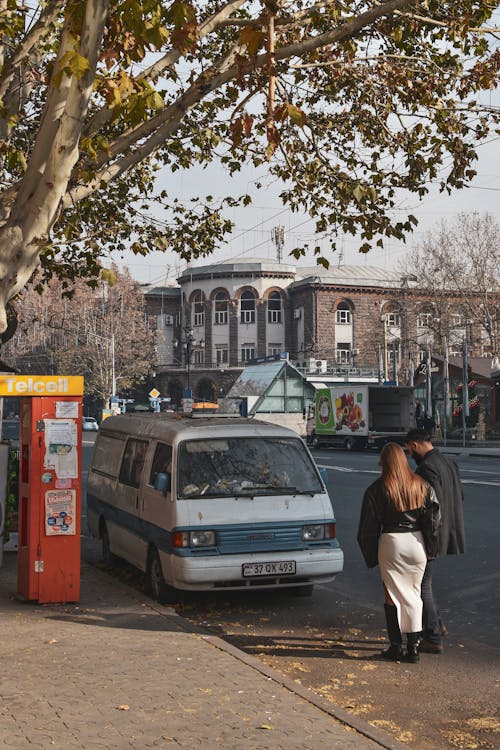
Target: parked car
(89,424)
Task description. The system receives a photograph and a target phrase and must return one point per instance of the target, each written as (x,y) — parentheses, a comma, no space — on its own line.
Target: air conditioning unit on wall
(318,365)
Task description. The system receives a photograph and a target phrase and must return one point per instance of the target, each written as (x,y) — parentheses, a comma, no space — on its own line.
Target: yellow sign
(41,385)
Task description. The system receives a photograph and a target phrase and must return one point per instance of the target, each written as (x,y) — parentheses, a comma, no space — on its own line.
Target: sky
(252,235)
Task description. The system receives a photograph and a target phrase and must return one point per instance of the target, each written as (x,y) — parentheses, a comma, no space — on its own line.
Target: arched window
(247,307)
(343,314)
(393,319)
(425,318)
(221,308)
(274,308)
(199,309)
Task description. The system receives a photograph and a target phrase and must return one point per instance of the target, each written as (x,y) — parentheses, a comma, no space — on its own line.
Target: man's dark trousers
(431,619)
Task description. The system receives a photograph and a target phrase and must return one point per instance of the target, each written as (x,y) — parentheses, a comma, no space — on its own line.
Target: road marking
(478,471)
(477,481)
(347,470)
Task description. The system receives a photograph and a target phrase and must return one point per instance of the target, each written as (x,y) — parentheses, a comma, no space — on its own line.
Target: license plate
(282,568)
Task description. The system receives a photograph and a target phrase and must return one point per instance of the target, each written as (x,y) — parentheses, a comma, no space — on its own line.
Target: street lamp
(189,345)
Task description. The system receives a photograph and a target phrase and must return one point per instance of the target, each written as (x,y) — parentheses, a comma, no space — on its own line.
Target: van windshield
(245,467)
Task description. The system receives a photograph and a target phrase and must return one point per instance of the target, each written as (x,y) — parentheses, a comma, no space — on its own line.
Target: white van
(211,503)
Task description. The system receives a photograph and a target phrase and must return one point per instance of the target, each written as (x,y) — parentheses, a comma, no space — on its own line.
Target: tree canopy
(459,265)
(102,334)
(347,102)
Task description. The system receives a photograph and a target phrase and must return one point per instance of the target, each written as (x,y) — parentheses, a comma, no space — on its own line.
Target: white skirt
(402,562)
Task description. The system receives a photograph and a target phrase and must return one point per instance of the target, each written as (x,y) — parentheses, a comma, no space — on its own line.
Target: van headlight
(318,532)
(200,538)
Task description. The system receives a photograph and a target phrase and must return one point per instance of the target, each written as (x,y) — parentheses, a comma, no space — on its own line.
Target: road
(330,642)
(466,586)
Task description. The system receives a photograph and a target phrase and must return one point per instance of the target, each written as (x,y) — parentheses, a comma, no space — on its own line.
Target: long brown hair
(405,489)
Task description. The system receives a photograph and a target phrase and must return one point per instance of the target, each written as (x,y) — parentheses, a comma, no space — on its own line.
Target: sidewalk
(491,451)
(119,672)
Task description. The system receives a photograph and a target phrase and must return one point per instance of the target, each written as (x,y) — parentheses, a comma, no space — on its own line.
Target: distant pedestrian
(442,473)
(395,509)
(419,413)
(428,424)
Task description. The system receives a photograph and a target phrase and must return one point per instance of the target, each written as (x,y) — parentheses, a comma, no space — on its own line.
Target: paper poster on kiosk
(60,513)
(61,439)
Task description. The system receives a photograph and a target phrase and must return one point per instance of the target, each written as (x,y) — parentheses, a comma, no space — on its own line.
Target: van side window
(107,455)
(133,461)
(162,462)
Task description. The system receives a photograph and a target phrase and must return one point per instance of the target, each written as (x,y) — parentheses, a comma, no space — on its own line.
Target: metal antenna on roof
(341,255)
(278,237)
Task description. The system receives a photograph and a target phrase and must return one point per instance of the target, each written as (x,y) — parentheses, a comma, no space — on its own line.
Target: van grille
(255,539)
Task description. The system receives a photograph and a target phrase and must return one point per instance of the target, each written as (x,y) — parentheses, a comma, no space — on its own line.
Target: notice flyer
(61,455)
(67,409)
(60,512)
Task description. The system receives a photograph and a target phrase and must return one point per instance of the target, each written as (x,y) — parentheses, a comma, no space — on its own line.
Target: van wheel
(156,586)
(108,557)
(303,590)
(349,444)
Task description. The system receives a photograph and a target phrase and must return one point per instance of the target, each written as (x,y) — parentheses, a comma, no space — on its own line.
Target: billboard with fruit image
(342,410)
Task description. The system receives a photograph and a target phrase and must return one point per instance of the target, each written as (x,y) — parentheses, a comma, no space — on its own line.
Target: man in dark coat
(442,474)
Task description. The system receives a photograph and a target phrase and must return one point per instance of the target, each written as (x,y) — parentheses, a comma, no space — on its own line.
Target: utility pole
(446,391)
(465,390)
(394,364)
(113,368)
(428,381)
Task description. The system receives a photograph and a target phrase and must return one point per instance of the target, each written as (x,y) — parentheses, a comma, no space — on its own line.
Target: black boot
(413,640)
(395,651)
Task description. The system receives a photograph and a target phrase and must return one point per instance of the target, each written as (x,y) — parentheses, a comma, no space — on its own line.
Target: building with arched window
(357,322)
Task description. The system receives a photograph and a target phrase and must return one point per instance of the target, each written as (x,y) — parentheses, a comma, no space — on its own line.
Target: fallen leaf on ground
(462,740)
(490,723)
(123,707)
(299,667)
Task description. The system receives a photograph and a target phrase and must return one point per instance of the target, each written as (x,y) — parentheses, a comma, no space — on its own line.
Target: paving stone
(114,673)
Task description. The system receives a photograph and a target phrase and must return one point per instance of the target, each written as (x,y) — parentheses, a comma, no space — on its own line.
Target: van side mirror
(324,474)
(162,482)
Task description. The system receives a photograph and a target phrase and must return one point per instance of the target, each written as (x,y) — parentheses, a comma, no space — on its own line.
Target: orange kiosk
(48,558)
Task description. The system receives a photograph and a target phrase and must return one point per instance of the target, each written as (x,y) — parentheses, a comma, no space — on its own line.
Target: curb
(467,452)
(341,715)
(362,727)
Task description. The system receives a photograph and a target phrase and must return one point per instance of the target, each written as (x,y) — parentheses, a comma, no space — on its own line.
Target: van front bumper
(226,571)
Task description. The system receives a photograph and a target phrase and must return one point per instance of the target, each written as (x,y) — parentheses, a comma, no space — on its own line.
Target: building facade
(351,321)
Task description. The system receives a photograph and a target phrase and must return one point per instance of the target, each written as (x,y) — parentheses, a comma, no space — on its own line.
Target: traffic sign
(187,405)
(154,393)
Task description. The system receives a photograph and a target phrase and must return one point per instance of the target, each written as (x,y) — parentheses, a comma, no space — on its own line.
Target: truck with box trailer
(355,417)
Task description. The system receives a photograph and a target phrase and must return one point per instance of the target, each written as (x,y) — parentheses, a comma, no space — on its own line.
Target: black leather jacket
(378,515)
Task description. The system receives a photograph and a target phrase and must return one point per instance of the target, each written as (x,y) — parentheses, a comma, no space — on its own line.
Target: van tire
(107,556)
(156,586)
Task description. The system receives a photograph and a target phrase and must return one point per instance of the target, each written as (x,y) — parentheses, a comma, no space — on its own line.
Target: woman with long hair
(396,508)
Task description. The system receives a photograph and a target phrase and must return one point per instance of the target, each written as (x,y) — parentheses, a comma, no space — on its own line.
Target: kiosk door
(50,499)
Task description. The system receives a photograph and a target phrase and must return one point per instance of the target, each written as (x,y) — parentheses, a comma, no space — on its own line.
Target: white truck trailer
(354,417)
